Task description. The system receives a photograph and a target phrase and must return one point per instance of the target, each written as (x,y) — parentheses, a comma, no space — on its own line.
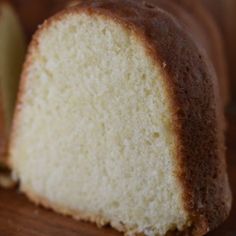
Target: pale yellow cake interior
(94,132)
(11,58)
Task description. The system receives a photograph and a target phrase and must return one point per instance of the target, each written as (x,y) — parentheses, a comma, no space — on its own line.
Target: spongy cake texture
(115,114)
(95,133)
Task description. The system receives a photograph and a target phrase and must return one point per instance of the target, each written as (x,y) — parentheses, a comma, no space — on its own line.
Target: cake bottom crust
(99,220)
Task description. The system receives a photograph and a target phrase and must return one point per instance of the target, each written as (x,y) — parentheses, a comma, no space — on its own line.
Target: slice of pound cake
(119,121)
(11,59)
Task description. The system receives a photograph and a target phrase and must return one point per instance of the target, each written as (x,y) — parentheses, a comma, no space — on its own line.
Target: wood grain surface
(19,217)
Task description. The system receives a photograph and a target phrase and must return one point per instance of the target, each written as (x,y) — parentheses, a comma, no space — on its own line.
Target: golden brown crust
(201,27)
(192,86)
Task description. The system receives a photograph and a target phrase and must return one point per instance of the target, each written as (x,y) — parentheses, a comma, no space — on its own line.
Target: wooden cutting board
(19,217)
